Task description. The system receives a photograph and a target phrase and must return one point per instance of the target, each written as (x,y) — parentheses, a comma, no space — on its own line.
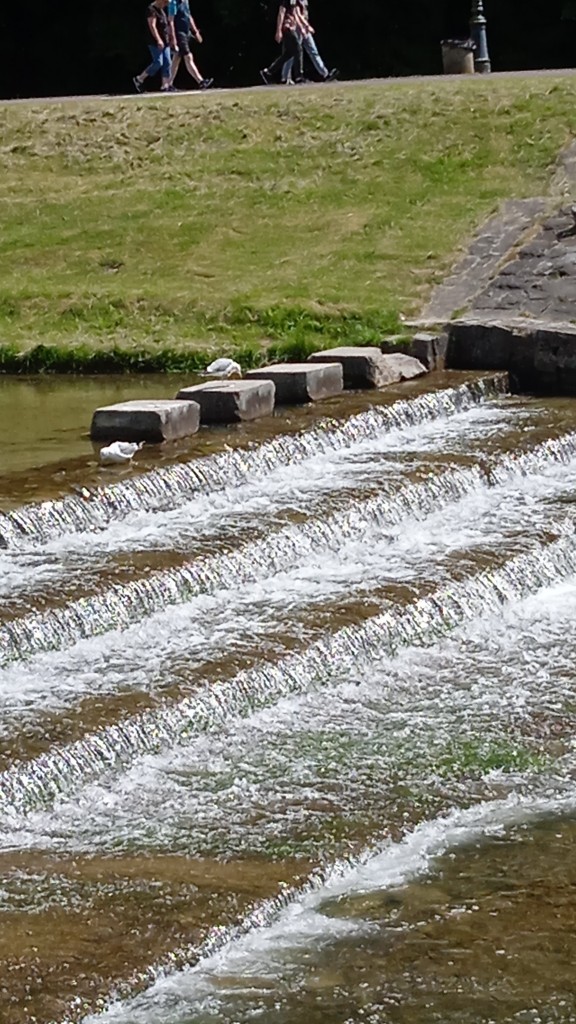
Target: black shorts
(183,40)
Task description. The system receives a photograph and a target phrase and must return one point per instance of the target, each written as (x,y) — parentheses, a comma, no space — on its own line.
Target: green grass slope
(154,231)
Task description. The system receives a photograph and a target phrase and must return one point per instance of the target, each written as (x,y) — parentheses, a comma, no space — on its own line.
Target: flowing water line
(154,651)
(169,486)
(30,785)
(124,604)
(415,711)
(246,512)
(296,911)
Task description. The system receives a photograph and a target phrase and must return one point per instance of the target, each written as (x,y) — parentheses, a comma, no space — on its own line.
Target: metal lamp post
(478,33)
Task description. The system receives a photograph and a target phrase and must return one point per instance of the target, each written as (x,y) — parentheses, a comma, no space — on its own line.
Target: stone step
(540,356)
(228,401)
(301,382)
(152,420)
(405,367)
(363,367)
(428,348)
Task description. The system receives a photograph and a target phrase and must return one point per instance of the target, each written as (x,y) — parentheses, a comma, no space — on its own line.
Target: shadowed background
(98,45)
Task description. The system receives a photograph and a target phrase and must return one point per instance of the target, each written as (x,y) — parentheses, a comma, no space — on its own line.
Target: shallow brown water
(490,936)
(87,923)
(233,767)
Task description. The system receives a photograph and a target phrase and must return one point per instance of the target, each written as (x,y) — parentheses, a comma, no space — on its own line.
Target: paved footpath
(540,283)
(408,79)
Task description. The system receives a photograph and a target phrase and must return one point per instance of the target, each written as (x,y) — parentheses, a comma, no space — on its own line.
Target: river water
(287,712)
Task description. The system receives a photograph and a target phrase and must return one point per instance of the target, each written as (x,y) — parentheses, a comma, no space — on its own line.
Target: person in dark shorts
(159,39)
(288,34)
(184,31)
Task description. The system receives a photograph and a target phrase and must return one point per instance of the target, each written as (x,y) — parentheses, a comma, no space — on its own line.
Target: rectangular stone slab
(405,367)
(301,382)
(362,367)
(227,401)
(429,348)
(152,420)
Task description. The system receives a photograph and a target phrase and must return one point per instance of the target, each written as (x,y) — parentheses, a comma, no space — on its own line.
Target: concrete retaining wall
(539,357)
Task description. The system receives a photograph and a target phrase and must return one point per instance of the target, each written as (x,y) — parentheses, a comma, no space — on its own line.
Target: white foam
(143,656)
(225,512)
(394,721)
(266,949)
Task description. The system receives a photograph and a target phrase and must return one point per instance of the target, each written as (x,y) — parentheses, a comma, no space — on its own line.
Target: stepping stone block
(405,367)
(429,348)
(152,420)
(227,401)
(362,367)
(301,382)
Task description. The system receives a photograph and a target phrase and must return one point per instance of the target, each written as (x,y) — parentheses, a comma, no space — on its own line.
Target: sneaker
(168,88)
(206,83)
(332,75)
(287,81)
(138,85)
(266,76)
(301,81)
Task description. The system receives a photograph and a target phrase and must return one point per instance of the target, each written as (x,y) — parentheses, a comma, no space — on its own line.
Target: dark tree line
(87,46)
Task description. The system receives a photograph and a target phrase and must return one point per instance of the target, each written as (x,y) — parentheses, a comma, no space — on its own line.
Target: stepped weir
(287,725)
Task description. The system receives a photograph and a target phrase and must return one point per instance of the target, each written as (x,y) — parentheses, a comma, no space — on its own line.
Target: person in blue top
(184,30)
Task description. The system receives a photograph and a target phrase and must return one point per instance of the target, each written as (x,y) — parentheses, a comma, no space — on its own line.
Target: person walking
(308,46)
(288,35)
(160,38)
(184,29)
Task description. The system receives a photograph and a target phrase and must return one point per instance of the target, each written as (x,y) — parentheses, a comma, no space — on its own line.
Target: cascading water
(122,605)
(35,783)
(294,920)
(168,487)
(271,782)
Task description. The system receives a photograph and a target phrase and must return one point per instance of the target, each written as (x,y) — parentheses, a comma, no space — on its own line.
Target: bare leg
(175,66)
(191,68)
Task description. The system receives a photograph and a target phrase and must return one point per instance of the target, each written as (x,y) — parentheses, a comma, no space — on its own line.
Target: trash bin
(458,56)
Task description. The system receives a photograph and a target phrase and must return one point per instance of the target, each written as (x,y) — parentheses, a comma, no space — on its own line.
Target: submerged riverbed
(287,712)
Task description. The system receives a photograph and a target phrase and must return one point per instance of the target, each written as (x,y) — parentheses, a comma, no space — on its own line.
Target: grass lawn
(263,222)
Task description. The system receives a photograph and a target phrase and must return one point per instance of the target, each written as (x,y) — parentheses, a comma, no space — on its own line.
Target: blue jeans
(291,51)
(161,61)
(308,44)
(309,47)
